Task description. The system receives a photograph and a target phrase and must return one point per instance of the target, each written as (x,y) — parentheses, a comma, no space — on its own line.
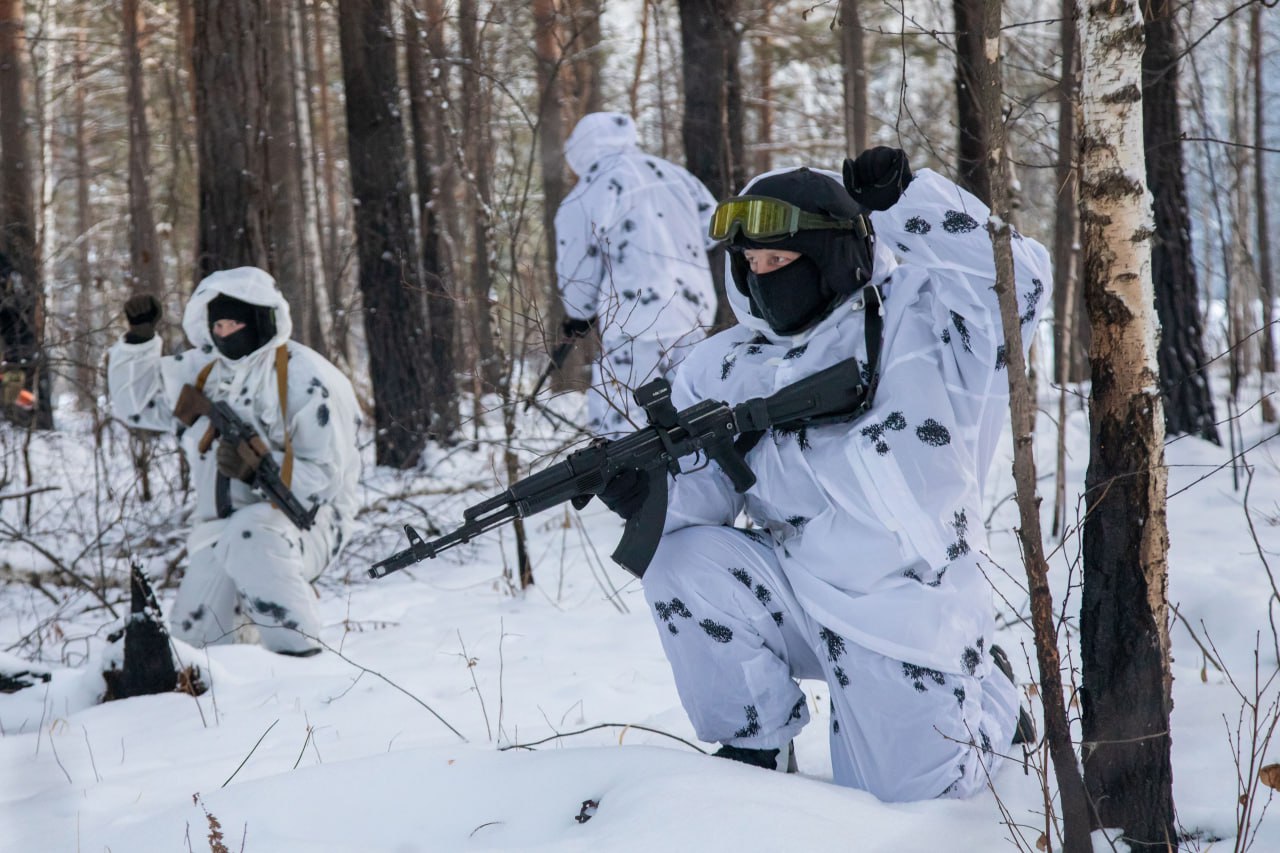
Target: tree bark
(972,142)
(1070,328)
(425,115)
(21,289)
(86,353)
(1124,621)
(709,42)
(146,270)
(988,93)
(476,164)
(394,320)
(229,58)
(1188,403)
(1266,283)
(854,67)
(285,215)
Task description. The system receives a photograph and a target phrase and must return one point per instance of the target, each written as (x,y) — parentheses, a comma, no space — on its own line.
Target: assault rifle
(192,403)
(709,427)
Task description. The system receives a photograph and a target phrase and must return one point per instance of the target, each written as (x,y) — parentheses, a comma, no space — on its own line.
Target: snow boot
(769,759)
(1025,733)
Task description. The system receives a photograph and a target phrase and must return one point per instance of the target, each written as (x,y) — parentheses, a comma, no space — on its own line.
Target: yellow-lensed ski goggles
(763,218)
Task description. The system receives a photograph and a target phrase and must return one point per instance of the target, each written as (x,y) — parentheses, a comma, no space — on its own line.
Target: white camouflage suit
(254,565)
(631,250)
(864,569)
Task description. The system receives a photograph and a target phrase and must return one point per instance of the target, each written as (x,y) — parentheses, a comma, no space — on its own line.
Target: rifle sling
(873,325)
(222,487)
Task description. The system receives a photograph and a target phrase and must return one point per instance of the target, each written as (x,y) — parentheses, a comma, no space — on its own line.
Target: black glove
(142,312)
(878,178)
(232,465)
(626,492)
(575,328)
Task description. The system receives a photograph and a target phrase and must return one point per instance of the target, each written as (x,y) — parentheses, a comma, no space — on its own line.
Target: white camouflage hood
(248,284)
(597,135)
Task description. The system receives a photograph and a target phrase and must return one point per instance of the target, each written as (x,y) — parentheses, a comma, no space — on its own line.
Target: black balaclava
(833,263)
(259,325)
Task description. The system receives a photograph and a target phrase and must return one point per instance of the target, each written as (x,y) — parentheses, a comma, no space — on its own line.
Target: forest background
(396,166)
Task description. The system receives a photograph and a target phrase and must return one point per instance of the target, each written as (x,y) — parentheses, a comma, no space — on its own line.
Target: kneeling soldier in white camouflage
(860,569)
(256,546)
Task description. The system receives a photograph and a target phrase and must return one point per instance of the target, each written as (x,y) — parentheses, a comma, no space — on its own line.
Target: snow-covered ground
(453,713)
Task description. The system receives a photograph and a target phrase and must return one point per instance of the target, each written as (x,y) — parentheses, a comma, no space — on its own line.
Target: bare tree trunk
(854,66)
(425,114)
(85,351)
(586,57)
(229,57)
(709,43)
(1070,331)
(476,165)
(21,289)
(146,270)
(987,92)
(1124,622)
(286,238)
(395,319)
(972,142)
(763,160)
(1262,247)
(1188,403)
(325,154)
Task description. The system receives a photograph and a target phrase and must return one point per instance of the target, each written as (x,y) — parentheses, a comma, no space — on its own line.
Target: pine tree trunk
(1124,622)
(86,351)
(709,45)
(146,269)
(21,289)
(286,246)
(475,163)
(229,59)
(972,140)
(1188,403)
(1262,243)
(854,71)
(425,114)
(394,316)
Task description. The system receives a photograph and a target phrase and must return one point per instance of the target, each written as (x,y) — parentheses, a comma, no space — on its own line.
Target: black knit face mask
(238,344)
(791,299)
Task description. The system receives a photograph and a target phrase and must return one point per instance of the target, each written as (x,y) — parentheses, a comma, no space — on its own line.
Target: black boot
(1025,733)
(766,758)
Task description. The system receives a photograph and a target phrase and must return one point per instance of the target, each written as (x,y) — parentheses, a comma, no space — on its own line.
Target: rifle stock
(709,427)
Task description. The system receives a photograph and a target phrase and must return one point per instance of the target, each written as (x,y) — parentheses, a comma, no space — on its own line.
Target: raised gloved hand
(878,178)
(232,465)
(572,327)
(142,312)
(626,492)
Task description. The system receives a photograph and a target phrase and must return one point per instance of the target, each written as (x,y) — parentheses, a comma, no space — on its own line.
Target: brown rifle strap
(206,441)
(282,385)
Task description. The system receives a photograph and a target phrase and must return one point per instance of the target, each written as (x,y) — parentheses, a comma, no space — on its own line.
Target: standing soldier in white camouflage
(631,262)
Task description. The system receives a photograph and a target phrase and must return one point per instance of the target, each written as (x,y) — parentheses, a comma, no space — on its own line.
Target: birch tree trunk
(85,352)
(1124,620)
(987,79)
